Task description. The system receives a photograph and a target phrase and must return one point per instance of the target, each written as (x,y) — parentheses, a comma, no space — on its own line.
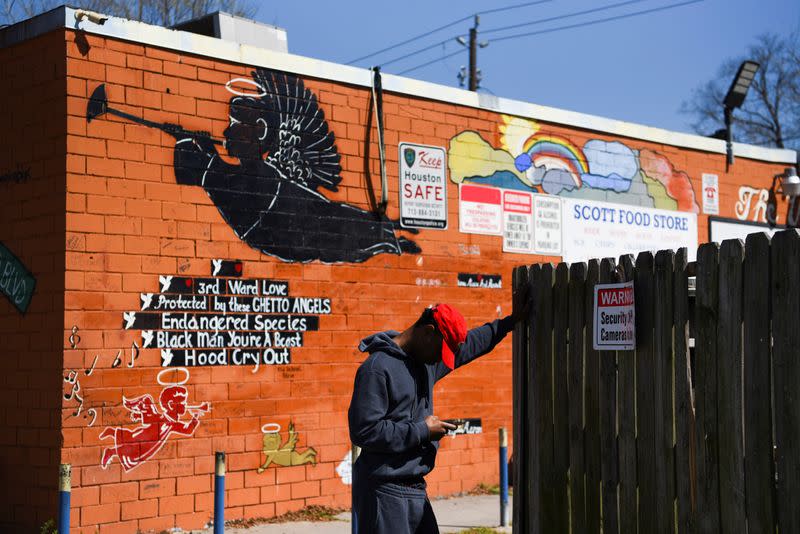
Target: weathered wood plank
(544,382)
(706,436)
(520,415)
(560,399)
(592,408)
(662,398)
(729,387)
(608,422)
(786,374)
(577,472)
(758,453)
(684,405)
(644,290)
(535,416)
(626,406)
(542,361)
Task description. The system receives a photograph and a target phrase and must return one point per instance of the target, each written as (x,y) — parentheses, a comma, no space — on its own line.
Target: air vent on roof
(239,30)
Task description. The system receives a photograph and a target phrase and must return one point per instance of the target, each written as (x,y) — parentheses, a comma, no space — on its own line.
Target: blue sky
(636,69)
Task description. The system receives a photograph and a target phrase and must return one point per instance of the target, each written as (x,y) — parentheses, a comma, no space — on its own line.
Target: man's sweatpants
(388,508)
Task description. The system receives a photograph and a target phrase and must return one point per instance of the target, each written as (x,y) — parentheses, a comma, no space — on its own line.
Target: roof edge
(148,34)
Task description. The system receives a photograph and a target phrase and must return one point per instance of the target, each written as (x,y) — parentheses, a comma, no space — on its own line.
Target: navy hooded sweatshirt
(392,396)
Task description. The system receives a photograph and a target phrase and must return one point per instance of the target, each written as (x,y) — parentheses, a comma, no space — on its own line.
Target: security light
(734,99)
(741,84)
(790,182)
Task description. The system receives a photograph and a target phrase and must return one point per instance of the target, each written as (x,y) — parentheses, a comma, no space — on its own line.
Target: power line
(414,53)
(420,36)
(560,17)
(451,54)
(448,25)
(507,8)
(598,21)
(560,28)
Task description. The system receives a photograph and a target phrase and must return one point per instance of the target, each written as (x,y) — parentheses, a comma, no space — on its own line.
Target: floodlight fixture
(741,84)
(734,99)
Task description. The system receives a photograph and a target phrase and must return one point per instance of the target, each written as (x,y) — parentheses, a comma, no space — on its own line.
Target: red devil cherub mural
(136,446)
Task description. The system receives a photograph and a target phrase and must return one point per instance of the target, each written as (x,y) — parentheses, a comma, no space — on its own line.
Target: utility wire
(420,36)
(560,17)
(507,8)
(415,52)
(550,30)
(448,25)
(598,21)
(451,54)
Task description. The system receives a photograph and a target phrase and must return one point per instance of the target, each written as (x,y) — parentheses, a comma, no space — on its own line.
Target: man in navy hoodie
(391,414)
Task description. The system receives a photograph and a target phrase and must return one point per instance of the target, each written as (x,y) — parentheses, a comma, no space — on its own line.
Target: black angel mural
(272,199)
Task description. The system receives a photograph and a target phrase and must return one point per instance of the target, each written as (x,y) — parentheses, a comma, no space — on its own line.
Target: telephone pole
(473,74)
(473,55)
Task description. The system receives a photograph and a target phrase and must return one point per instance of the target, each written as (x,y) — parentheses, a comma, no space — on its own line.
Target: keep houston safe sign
(423,186)
(614,317)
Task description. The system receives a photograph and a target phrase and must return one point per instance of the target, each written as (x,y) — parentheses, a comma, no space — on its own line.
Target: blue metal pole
(503,478)
(64,494)
(219,493)
(355,450)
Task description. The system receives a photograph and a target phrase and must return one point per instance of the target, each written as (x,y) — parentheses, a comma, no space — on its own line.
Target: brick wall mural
(133,447)
(286,154)
(531,158)
(206,261)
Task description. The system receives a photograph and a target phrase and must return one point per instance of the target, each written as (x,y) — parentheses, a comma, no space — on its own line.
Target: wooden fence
(697,430)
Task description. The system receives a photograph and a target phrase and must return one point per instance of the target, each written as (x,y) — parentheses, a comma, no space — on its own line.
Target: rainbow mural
(529,159)
(553,152)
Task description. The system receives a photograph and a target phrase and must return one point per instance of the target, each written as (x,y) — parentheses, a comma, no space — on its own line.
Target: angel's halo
(245,81)
(173,383)
(271,428)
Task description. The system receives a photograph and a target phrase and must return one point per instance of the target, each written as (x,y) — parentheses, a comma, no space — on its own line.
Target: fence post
(64,494)
(219,493)
(503,477)
(521,425)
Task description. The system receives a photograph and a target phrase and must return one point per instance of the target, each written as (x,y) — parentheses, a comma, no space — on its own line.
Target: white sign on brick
(711,194)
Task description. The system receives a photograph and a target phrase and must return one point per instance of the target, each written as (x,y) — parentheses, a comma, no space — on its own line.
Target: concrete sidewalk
(454,515)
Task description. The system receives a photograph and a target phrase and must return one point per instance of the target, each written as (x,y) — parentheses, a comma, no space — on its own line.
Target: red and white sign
(423,186)
(480,210)
(517,222)
(614,317)
(711,194)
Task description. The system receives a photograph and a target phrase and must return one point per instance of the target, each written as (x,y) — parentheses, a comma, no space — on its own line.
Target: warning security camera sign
(614,317)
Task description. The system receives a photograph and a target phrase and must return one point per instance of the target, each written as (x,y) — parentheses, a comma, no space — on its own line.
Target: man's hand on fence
(521,302)
(437,428)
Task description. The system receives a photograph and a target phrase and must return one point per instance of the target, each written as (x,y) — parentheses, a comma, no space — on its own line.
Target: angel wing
(306,150)
(142,408)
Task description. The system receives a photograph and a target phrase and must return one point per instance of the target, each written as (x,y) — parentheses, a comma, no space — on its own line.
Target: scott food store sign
(600,230)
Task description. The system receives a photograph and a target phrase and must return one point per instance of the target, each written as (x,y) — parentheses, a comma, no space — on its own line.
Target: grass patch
(312,513)
(486,489)
(480,530)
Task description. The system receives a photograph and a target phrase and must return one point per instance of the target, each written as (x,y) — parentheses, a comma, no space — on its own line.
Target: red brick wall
(32,227)
(128,222)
